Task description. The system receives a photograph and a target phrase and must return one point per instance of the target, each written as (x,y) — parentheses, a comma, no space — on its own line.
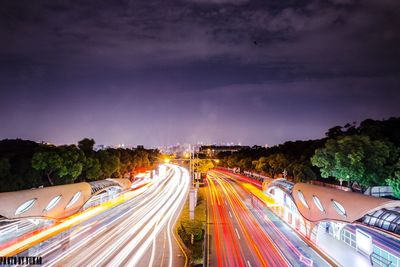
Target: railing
(259,177)
(377,260)
(343,188)
(379,191)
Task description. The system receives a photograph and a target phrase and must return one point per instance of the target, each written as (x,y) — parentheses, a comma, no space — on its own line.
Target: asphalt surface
(137,232)
(235,237)
(264,239)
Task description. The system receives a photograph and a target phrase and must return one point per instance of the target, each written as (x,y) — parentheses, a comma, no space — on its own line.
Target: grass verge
(196,227)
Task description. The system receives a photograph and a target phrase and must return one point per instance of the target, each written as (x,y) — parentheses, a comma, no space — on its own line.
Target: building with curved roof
(387,219)
(51,202)
(283,184)
(100,186)
(325,215)
(54,202)
(317,203)
(125,184)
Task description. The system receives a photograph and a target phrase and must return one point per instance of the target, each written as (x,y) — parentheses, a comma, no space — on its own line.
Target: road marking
(153,250)
(230,214)
(248,263)
(237,233)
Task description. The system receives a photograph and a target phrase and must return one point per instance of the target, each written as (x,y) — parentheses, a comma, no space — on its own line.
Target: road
(136,232)
(237,239)
(242,234)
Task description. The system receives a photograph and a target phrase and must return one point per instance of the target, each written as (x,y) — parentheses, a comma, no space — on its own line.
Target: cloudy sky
(161,72)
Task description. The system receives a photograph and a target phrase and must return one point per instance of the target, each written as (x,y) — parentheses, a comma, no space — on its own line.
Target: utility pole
(190,161)
(193,190)
(193,165)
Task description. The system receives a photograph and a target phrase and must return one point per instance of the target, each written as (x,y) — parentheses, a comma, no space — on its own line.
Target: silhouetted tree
(86,145)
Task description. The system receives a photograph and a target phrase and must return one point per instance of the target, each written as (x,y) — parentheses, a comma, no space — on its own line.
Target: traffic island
(191,231)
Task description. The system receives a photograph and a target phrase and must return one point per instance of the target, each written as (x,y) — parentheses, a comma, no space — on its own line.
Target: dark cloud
(62,62)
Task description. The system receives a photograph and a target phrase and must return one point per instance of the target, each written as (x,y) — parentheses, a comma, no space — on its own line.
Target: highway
(241,234)
(137,230)
(237,239)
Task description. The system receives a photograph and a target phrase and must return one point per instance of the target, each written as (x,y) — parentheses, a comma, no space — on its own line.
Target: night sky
(161,72)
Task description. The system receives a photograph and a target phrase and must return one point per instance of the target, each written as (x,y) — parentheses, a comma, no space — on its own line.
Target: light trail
(68,223)
(252,245)
(123,229)
(270,237)
(153,250)
(228,250)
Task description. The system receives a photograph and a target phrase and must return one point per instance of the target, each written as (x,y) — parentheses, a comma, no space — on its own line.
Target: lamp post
(191,164)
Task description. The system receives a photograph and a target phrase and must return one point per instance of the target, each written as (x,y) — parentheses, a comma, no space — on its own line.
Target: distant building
(100,147)
(213,150)
(178,149)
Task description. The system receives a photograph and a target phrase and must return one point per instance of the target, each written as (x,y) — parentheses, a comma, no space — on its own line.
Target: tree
(49,162)
(395,184)
(262,165)
(86,145)
(278,163)
(18,174)
(26,164)
(141,159)
(127,162)
(110,163)
(302,172)
(5,167)
(63,162)
(356,159)
(91,169)
(202,165)
(232,161)
(5,174)
(394,181)
(335,132)
(245,164)
(153,155)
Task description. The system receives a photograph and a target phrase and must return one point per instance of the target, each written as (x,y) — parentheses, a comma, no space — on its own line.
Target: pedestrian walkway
(338,250)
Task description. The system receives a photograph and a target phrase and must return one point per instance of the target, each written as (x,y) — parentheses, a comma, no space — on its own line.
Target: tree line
(366,154)
(26,164)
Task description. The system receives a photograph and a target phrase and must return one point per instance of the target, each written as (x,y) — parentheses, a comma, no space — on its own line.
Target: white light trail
(124,235)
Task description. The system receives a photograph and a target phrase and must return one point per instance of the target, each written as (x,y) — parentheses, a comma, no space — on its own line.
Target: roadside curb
(182,246)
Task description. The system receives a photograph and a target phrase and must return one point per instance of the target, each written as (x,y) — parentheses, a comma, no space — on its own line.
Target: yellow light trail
(69,222)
